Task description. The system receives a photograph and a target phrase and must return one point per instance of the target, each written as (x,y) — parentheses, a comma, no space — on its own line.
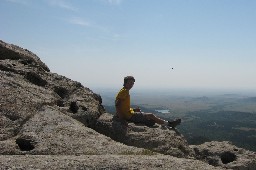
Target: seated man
(126,113)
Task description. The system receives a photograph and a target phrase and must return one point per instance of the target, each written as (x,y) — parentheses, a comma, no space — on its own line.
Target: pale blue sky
(209,43)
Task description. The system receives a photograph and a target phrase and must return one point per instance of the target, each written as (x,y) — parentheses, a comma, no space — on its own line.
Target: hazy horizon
(179,91)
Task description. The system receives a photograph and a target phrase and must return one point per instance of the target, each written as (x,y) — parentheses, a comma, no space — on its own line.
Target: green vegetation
(237,127)
(143,152)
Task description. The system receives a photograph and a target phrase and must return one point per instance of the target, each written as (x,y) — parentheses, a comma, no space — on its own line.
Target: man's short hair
(128,78)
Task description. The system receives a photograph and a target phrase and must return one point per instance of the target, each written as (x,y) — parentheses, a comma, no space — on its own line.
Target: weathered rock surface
(50,132)
(27,86)
(226,155)
(24,56)
(46,122)
(101,162)
(156,138)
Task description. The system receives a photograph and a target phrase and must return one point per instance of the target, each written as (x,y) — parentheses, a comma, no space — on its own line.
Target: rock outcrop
(48,121)
(50,132)
(159,139)
(226,155)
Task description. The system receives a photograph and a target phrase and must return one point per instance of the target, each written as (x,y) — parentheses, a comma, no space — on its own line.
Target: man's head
(128,81)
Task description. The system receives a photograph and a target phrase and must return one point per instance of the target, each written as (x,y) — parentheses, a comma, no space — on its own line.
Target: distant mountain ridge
(60,124)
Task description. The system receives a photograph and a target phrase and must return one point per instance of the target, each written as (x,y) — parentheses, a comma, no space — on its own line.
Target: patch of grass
(147,152)
(143,152)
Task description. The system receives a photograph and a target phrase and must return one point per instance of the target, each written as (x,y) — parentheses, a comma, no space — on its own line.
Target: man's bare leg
(162,121)
(155,119)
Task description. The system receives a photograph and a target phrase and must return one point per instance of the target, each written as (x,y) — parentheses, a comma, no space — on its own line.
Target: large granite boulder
(26,85)
(51,132)
(24,56)
(225,155)
(156,138)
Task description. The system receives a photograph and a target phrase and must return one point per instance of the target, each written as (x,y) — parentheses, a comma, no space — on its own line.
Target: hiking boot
(174,123)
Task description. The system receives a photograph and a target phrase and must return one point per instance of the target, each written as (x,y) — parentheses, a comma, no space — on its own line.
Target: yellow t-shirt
(125,107)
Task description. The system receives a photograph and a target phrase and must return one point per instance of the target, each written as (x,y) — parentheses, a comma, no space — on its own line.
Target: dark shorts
(141,118)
